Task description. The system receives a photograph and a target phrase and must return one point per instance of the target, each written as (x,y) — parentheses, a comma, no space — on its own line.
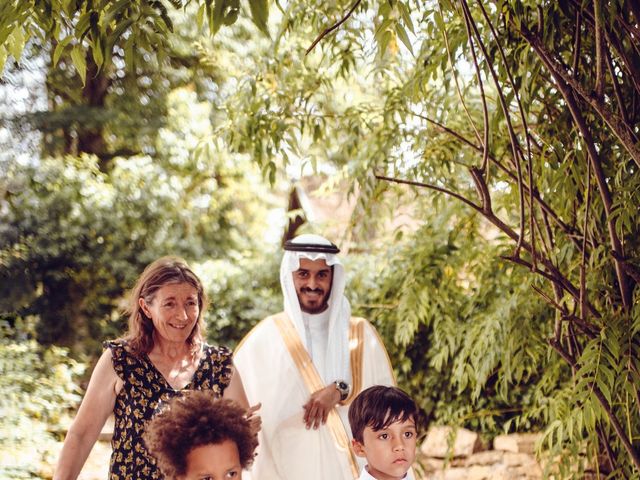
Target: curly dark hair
(193,420)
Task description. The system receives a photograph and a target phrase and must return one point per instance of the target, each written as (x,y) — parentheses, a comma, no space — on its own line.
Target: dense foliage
(505,132)
(39,385)
(466,332)
(527,114)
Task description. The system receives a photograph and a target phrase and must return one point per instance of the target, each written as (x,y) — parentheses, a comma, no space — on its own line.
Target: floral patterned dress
(144,390)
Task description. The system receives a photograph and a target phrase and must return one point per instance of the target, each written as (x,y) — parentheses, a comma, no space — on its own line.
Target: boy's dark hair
(194,420)
(378,407)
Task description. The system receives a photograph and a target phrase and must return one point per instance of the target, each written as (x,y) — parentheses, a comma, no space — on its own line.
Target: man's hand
(317,409)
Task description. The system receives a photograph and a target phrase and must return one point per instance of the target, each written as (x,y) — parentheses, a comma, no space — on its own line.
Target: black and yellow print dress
(143,391)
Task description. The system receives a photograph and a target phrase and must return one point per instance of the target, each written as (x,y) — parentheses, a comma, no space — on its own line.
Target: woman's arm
(235,390)
(96,407)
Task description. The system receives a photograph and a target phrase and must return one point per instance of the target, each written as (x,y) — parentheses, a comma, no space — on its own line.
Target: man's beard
(320,307)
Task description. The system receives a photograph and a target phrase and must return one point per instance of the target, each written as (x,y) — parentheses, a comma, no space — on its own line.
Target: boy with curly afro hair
(197,436)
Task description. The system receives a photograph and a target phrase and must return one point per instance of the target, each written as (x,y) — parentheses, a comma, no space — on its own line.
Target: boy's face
(215,461)
(390,451)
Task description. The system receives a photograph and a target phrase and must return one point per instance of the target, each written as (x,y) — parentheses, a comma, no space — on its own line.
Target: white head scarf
(337,356)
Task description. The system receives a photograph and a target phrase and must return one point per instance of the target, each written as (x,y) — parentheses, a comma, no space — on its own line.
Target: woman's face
(174,311)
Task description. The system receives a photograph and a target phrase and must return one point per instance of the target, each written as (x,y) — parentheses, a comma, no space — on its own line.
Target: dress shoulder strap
(216,367)
(119,355)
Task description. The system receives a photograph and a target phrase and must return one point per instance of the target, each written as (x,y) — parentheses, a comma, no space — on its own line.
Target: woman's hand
(255,421)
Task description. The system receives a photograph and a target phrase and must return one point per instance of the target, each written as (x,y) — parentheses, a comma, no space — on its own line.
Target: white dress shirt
(365,475)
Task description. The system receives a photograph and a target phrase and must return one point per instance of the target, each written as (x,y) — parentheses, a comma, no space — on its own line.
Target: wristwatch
(343,388)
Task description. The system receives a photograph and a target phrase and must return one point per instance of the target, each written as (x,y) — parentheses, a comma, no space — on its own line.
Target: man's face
(313,285)
(390,451)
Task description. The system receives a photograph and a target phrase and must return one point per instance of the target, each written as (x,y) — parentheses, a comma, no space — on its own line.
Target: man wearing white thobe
(305,365)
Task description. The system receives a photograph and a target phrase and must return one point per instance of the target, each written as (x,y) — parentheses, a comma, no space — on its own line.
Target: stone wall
(448,454)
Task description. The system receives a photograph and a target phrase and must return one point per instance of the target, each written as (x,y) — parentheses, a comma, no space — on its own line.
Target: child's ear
(358,448)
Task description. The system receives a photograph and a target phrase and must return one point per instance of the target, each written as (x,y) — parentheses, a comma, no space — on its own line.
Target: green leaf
(605,390)
(260,14)
(589,417)
(383,42)
(216,16)
(16,42)
(82,27)
(383,28)
(3,58)
(225,12)
(79,61)
(60,49)
(96,50)
(439,20)
(402,34)
(117,33)
(406,16)
(114,12)
(200,15)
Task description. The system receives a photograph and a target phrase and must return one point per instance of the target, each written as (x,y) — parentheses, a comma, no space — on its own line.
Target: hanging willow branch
(445,37)
(525,126)
(617,125)
(572,233)
(483,97)
(594,158)
(551,272)
(600,80)
(333,27)
(515,145)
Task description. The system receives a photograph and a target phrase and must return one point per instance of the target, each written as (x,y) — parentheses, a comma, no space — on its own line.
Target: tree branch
(577,44)
(583,259)
(556,278)
(616,90)
(597,16)
(553,273)
(571,232)
(446,191)
(481,186)
(560,74)
(485,110)
(548,264)
(632,271)
(455,78)
(627,62)
(594,158)
(515,146)
(523,118)
(333,27)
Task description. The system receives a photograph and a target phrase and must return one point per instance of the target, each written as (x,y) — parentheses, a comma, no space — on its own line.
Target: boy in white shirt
(385,424)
